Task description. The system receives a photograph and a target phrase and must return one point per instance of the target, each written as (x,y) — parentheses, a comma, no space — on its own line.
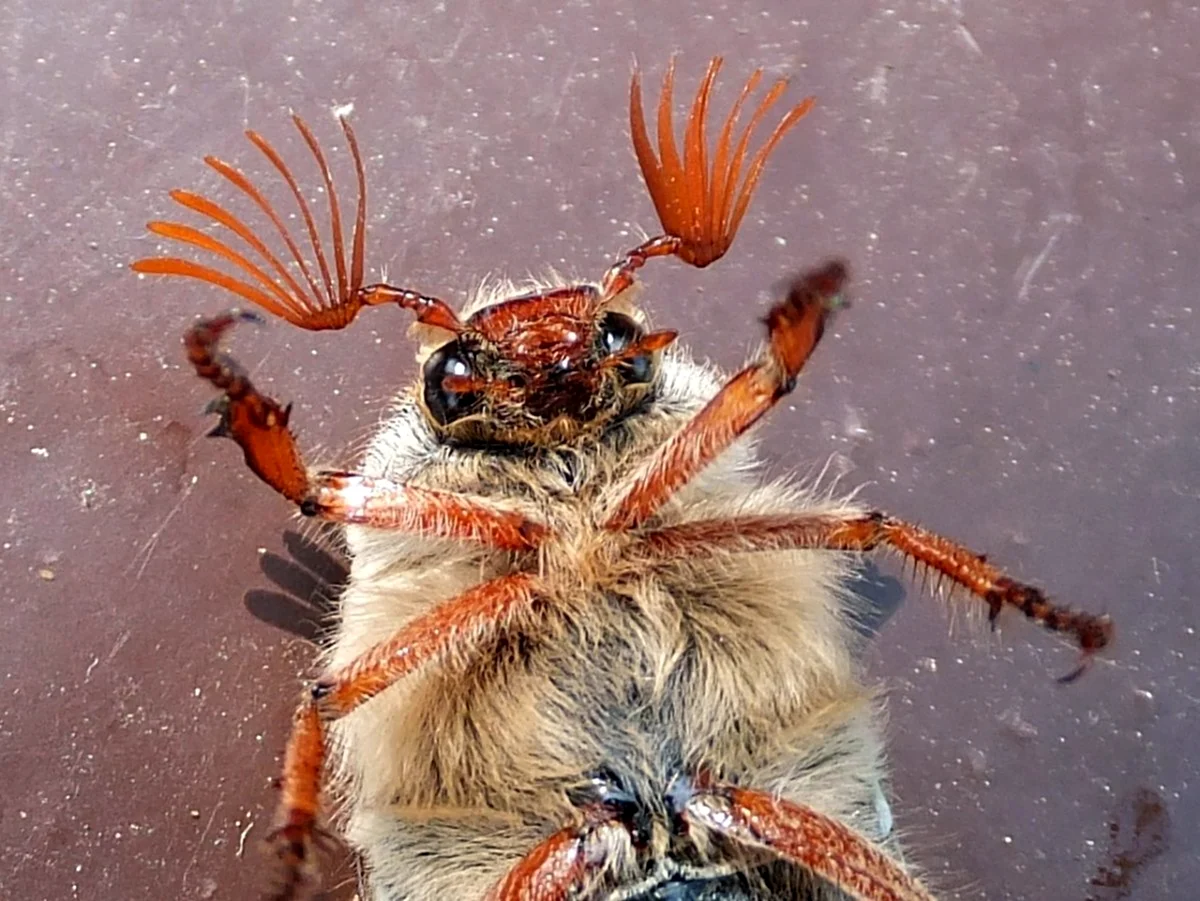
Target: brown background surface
(1015,183)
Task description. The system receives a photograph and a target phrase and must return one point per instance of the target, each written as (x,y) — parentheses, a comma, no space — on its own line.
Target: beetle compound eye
(617,334)
(445,404)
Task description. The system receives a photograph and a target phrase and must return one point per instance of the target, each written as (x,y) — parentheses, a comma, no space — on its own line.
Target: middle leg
(449,627)
(570,862)
(869,531)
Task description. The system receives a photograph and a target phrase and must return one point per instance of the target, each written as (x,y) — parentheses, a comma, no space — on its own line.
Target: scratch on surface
(147,550)
(245,100)
(1058,221)
(74,770)
(1154,563)
(562,95)
(452,50)
(969,39)
(196,848)
(118,644)
(149,143)
(13,51)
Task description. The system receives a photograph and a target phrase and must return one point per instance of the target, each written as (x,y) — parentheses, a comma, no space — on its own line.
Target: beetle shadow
(310,580)
(879,596)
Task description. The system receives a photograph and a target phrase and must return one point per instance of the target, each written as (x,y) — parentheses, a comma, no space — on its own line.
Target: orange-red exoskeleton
(585,651)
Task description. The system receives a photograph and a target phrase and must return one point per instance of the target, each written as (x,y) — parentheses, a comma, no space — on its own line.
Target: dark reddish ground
(1016,185)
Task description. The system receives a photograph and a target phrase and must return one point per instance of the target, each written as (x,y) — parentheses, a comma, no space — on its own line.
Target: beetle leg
(802,835)
(259,425)
(256,422)
(452,626)
(345,497)
(872,530)
(795,326)
(570,862)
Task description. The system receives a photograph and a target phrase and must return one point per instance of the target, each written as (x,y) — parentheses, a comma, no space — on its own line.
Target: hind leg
(798,834)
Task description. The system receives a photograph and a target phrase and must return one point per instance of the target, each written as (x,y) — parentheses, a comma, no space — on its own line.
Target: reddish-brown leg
(570,861)
(453,625)
(800,834)
(795,326)
(294,842)
(348,498)
(868,531)
(256,422)
(259,425)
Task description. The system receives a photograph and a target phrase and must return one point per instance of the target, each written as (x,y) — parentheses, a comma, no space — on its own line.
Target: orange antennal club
(329,302)
(703,206)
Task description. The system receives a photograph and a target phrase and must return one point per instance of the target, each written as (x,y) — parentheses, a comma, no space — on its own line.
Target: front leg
(345,497)
(795,325)
(259,425)
(256,422)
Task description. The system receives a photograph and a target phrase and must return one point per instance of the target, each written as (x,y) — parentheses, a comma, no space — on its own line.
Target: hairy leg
(797,833)
(449,627)
(794,326)
(569,862)
(256,422)
(348,498)
(868,531)
(259,425)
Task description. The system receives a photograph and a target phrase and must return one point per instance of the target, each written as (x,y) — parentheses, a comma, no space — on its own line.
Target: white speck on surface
(853,424)
(877,84)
